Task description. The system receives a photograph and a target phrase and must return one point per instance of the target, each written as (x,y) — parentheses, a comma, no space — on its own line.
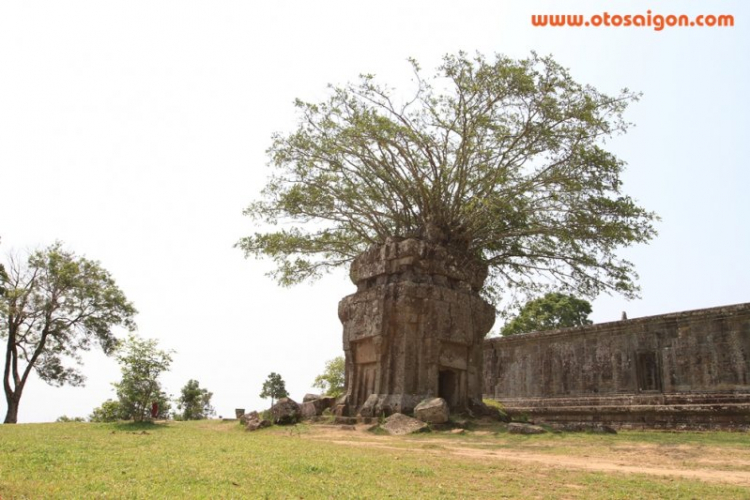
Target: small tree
(141,363)
(274,388)
(332,380)
(195,402)
(553,311)
(54,305)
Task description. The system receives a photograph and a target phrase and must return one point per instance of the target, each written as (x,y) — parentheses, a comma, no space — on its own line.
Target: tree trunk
(11,417)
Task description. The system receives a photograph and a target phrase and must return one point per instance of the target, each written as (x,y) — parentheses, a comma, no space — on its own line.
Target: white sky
(136,132)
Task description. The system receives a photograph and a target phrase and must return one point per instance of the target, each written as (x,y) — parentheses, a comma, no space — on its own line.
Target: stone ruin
(685,370)
(414,329)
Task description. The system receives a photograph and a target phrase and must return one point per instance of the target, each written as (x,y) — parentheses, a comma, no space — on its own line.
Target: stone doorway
(448,387)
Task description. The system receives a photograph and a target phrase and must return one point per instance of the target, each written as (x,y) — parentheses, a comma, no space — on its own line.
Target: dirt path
(640,459)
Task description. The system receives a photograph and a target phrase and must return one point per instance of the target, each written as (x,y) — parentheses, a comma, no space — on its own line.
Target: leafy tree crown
(141,364)
(332,380)
(195,402)
(553,311)
(274,387)
(501,160)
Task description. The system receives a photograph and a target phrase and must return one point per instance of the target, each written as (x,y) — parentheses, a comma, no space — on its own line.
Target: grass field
(213,459)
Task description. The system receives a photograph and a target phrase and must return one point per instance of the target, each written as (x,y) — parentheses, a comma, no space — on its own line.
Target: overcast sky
(135,132)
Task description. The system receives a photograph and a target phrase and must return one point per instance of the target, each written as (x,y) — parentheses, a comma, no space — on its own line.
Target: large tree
(500,160)
(553,311)
(55,305)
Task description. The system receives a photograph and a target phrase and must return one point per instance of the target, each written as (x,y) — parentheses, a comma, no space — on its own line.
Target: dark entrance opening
(447,387)
(647,369)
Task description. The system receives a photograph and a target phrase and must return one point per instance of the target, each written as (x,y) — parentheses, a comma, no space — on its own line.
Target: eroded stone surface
(399,424)
(253,415)
(519,428)
(414,329)
(680,370)
(285,412)
(593,427)
(432,411)
(316,407)
(256,423)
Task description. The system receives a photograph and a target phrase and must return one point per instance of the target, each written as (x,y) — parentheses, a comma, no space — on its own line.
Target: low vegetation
(210,458)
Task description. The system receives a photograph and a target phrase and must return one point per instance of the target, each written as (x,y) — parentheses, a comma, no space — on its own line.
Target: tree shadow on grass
(140,426)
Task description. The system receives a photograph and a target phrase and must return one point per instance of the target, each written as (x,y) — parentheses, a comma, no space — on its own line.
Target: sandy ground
(690,461)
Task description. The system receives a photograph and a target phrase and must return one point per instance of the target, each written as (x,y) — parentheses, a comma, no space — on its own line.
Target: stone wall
(414,329)
(688,369)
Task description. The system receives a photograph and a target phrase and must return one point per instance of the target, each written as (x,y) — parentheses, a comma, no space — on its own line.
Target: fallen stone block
(518,428)
(399,424)
(255,424)
(285,412)
(432,411)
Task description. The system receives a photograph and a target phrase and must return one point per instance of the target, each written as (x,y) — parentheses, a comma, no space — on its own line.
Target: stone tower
(414,328)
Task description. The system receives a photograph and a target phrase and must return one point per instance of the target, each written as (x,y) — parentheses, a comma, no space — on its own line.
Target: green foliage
(499,160)
(67,419)
(55,305)
(109,411)
(195,402)
(141,364)
(274,387)
(332,380)
(497,405)
(553,311)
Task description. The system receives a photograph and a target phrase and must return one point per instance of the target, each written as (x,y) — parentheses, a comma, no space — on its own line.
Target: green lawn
(220,460)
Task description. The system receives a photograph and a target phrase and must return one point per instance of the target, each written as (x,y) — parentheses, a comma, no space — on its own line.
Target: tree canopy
(553,311)
(141,364)
(500,160)
(274,387)
(332,380)
(55,304)
(195,401)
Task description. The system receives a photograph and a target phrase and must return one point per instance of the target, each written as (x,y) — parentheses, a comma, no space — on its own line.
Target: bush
(109,411)
(66,418)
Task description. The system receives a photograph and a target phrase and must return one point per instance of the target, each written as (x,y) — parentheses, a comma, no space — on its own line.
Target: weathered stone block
(518,428)
(253,415)
(432,411)
(285,412)
(399,424)
(316,407)
(255,424)
(414,329)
